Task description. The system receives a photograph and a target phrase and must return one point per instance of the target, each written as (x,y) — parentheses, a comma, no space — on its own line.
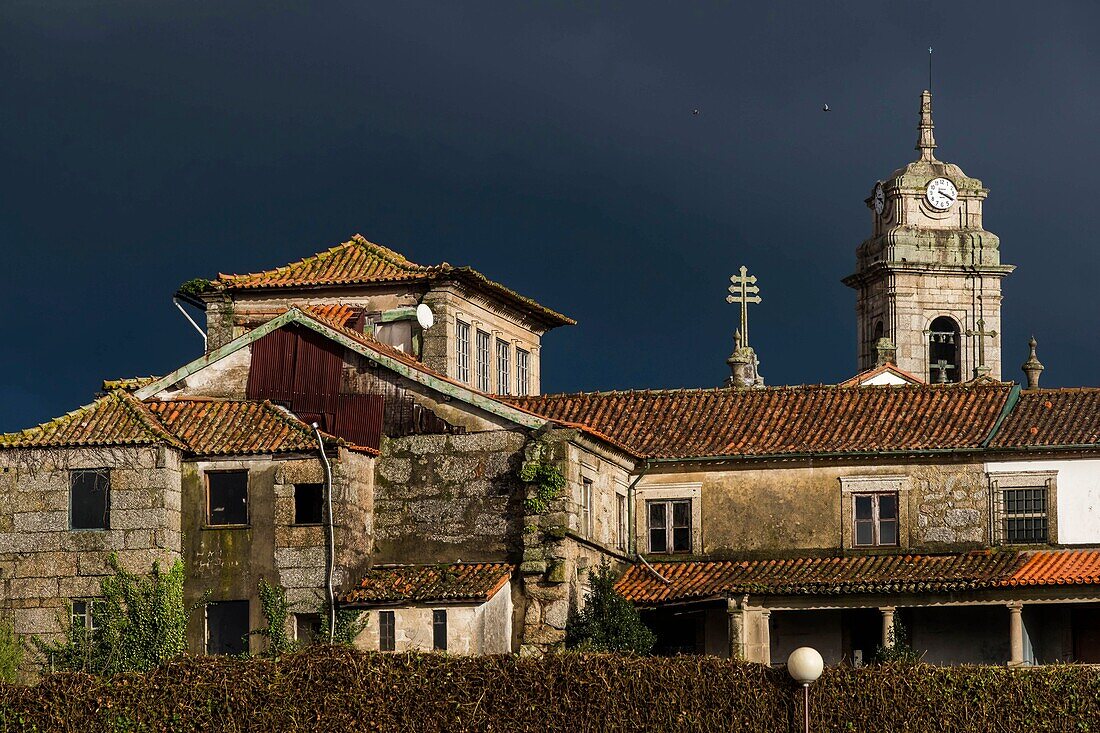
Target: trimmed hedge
(346,690)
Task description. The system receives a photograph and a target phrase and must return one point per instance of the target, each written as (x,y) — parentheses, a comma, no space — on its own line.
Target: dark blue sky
(550,145)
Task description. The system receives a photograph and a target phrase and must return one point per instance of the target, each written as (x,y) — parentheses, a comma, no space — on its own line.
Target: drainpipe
(632,540)
(330,554)
(191,321)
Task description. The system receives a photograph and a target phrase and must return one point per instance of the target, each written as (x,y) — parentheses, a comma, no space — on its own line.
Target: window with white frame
(484,366)
(1024,504)
(668,524)
(82,616)
(622,515)
(462,351)
(523,372)
(875,520)
(586,507)
(504,367)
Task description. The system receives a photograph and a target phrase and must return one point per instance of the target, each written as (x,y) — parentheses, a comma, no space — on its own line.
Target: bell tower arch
(928,279)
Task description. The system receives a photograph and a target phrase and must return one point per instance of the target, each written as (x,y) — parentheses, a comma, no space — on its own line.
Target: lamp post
(805,666)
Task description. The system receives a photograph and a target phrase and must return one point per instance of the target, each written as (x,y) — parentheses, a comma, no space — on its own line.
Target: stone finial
(926,143)
(1033,368)
(885,352)
(744,366)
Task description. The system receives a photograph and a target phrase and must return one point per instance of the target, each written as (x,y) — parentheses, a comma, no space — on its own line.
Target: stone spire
(1032,367)
(926,143)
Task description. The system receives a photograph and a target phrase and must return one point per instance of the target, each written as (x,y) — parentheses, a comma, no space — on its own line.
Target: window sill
(89,529)
(306,524)
(227,526)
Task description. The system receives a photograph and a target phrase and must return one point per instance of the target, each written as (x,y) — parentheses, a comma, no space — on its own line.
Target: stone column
(765,636)
(736,616)
(1016,633)
(887,626)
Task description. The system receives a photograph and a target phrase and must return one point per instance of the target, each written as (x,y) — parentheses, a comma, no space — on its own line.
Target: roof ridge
(392,256)
(147,419)
(766,389)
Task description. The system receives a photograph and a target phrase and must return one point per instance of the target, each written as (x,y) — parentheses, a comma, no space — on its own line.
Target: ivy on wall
(544,476)
(138,622)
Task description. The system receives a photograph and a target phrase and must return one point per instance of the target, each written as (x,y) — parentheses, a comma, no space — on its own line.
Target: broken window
(227,627)
(82,617)
(523,372)
(484,368)
(439,630)
(875,520)
(387,631)
(227,498)
(89,498)
(669,524)
(504,367)
(462,352)
(308,503)
(307,628)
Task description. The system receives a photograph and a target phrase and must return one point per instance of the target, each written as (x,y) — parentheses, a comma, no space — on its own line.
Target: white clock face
(941,193)
(879,198)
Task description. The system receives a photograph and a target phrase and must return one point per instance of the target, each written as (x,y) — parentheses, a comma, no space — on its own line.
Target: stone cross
(981,370)
(744,291)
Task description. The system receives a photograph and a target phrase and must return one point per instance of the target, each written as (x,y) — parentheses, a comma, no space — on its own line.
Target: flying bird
(695,113)
(825,108)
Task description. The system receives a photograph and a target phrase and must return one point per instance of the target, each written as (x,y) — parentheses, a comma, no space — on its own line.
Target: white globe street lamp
(805,666)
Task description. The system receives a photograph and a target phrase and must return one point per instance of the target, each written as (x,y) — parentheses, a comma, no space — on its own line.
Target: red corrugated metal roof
(458,582)
(689,423)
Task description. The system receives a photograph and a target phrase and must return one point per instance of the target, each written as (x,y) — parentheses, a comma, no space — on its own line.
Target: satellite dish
(424,316)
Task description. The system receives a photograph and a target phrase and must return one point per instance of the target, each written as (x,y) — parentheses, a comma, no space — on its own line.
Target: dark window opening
(875,520)
(307,628)
(1025,515)
(227,497)
(89,499)
(308,503)
(82,617)
(439,631)
(669,525)
(387,631)
(227,627)
(944,351)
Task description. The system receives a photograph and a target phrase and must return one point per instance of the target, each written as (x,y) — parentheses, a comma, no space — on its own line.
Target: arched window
(943,351)
(879,331)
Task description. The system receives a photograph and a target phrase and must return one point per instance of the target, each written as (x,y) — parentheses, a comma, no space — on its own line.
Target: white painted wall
(484,628)
(1078,484)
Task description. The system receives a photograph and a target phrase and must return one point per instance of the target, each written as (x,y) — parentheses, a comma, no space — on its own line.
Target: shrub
(609,622)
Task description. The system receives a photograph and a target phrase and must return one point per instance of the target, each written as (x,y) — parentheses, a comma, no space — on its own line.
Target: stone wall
(443,498)
(778,509)
(44,564)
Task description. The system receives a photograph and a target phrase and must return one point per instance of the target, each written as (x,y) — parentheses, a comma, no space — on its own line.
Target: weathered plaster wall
(44,564)
(1078,495)
(226,563)
(484,628)
(226,378)
(785,508)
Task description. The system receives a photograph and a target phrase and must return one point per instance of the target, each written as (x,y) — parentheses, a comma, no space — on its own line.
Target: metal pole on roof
(191,321)
(330,542)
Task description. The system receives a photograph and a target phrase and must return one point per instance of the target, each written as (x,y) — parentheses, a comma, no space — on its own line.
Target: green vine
(544,476)
(138,623)
(11,651)
(276,611)
(349,624)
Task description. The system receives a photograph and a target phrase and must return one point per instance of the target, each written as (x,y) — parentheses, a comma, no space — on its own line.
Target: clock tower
(928,280)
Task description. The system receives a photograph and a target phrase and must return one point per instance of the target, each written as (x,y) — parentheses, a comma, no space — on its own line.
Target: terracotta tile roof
(459,582)
(1058,567)
(1052,417)
(196,426)
(778,421)
(817,576)
(887,368)
(115,419)
(359,261)
(130,384)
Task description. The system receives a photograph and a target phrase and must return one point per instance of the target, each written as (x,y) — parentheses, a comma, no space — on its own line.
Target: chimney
(1033,368)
